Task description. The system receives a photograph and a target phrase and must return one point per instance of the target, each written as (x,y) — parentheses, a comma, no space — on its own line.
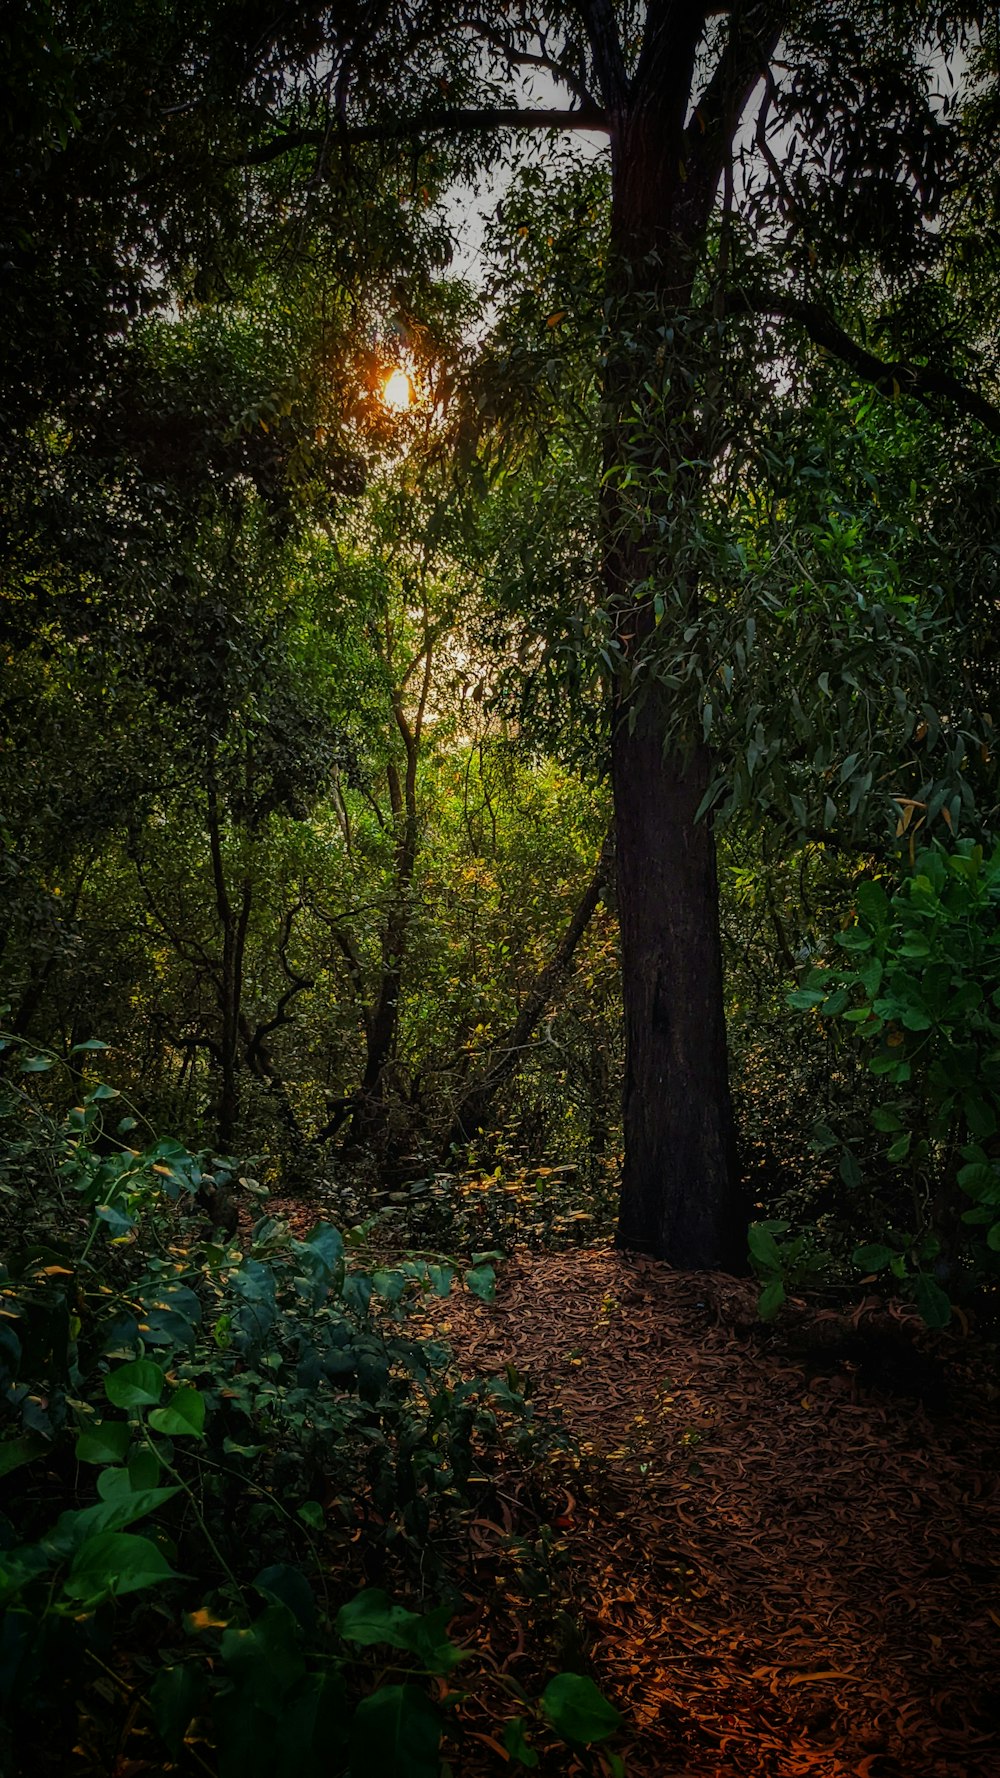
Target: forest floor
(774,1549)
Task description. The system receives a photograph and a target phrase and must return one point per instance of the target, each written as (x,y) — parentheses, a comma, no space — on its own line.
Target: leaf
(104,1441)
(577,1710)
(396,1734)
(311,1514)
(872,903)
(101,1094)
(763,1247)
(266,1661)
(116,1562)
(515,1743)
(89,1044)
(770,1300)
(290,1588)
(370,1619)
(135,1385)
(849,1170)
(934,1305)
(390,1285)
(16,1451)
(874,1257)
(174,1697)
(37,1064)
(886,1120)
(118,1222)
(183,1416)
(482,1281)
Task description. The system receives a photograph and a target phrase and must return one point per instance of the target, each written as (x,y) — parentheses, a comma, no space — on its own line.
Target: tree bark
(681,1199)
(680,1195)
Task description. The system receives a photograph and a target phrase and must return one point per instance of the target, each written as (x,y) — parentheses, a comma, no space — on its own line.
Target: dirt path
(780,1568)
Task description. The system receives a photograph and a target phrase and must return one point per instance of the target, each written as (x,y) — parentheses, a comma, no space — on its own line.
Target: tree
(762,156)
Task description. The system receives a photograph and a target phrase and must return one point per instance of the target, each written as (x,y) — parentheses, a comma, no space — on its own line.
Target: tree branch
(599,22)
(453,122)
(892,378)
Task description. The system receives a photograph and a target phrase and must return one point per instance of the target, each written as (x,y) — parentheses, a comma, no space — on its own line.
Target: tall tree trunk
(680,1192)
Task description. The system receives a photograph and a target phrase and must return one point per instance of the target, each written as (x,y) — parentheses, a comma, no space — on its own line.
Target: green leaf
(266,1661)
(823,1137)
(515,1743)
(872,903)
(770,1300)
(101,1094)
(311,1513)
(874,1257)
(135,1385)
(900,1148)
(143,1468)
(16,1451)
(577,1710)
(116,1562)
(370,1619)
(441,1279)
(390,1285)
(885,1119)
(978,1178)
(396,1734)
(934,1305)
(183,1416)
(804,999)
(764,1247)
(482,1281)
(89,1044)
(993,1238)
(289,1587)
(174,1697)
(37,1064)
(104,1441)
(849,1170)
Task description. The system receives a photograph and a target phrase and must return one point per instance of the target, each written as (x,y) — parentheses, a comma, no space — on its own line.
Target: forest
(499,889)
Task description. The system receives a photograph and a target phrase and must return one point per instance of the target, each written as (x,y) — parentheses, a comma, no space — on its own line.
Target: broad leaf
(113,1563)
(183,1416)
(396,1734)
(135,1385)
(577,1710)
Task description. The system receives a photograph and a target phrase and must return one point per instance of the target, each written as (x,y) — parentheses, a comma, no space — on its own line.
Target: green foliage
(783,1264)
(918,987)
(205,1394)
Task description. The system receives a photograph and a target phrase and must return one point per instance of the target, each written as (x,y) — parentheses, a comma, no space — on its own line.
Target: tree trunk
(681,1199)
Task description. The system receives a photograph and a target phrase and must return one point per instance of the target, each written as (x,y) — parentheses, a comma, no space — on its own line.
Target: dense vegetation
(390,768)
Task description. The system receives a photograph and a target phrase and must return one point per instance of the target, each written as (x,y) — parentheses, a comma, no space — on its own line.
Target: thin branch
(517,58)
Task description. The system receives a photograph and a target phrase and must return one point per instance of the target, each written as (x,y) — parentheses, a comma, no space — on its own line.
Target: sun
(397,391)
